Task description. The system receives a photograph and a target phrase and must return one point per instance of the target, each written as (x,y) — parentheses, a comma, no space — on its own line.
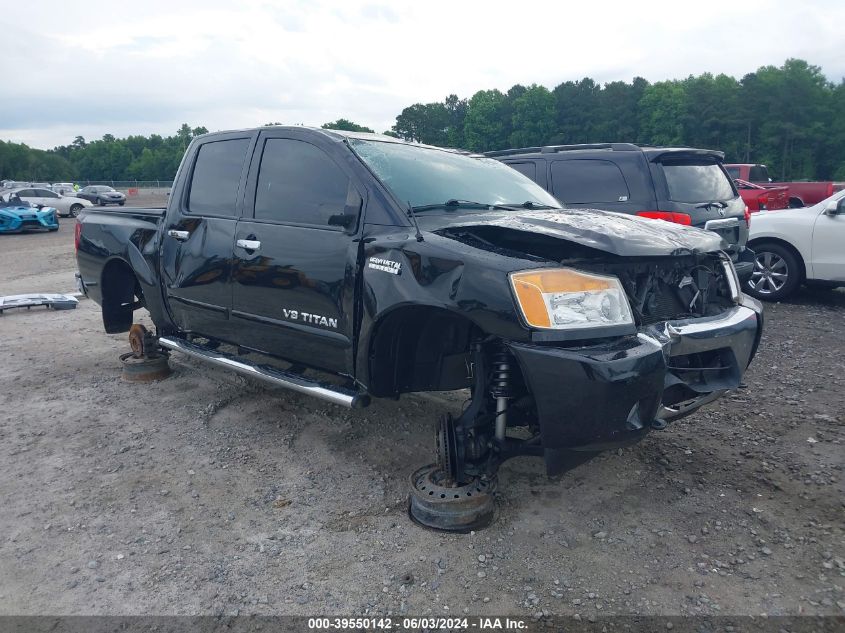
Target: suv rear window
(584,181)
(696,182)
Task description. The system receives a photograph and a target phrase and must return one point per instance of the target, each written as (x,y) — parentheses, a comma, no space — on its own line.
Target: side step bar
(268,374)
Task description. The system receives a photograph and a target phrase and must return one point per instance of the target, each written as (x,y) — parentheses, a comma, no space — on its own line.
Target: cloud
(107,67)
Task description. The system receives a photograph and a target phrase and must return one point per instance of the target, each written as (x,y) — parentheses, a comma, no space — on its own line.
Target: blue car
(17,216)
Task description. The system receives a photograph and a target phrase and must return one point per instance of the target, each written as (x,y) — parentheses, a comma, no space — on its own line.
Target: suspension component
(500,389)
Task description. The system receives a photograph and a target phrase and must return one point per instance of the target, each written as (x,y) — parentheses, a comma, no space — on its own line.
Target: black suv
(678,184)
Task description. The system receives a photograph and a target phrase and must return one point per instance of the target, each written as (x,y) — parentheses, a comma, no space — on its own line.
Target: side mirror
(351,212)
(837,209)
(341,219)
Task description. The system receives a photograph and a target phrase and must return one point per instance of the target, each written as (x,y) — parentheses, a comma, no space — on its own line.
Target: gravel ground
(209,494)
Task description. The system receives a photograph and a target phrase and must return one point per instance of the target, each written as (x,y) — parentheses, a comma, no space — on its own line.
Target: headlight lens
(567,299)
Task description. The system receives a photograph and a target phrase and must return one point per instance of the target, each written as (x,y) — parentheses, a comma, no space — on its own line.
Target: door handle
(248,245)
(179,235)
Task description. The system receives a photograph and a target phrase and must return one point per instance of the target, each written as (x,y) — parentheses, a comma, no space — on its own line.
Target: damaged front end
(617,337)
(690,335)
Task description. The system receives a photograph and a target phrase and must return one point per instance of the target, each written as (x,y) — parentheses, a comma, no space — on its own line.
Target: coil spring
(500,386)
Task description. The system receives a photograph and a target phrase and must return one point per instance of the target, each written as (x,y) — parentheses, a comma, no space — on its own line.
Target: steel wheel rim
(771,273)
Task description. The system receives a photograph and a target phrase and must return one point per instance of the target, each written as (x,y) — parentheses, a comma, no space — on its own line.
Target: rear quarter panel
(128,235)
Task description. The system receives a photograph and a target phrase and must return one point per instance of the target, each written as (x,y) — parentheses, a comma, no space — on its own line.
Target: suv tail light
(77,235)
(677,218)
(748,216)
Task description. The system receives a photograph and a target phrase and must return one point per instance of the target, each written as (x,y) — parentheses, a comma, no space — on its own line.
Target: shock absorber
(500,388)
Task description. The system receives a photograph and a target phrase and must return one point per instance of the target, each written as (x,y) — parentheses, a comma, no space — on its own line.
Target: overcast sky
(146,67)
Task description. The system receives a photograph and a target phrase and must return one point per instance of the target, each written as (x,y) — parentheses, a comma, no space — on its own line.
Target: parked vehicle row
(96,194)
(65,205)
(406,268)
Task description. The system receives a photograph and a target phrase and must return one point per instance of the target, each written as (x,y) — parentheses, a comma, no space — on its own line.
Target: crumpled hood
(616,233)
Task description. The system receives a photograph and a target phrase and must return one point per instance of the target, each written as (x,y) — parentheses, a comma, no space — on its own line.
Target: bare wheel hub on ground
(146,362)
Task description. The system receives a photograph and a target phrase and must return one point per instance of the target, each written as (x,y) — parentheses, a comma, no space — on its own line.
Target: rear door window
(733,172)
(526,169)
(216,176)
(585,181)
(690,181)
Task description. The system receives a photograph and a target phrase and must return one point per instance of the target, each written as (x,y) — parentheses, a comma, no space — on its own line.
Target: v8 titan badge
(385,265)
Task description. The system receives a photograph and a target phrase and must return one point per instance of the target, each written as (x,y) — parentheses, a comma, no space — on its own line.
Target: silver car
(64,205)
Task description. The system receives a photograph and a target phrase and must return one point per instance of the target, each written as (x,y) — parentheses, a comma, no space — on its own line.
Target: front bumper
(610,394)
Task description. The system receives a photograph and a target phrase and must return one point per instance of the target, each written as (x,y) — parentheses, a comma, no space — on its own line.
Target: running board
(270,375)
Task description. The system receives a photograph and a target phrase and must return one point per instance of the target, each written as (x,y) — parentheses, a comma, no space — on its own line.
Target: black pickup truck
(390,267)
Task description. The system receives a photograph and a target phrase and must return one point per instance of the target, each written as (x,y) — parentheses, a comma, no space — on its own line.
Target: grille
(674,288)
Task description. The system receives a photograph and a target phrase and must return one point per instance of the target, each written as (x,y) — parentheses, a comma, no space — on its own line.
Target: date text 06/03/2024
(414,624)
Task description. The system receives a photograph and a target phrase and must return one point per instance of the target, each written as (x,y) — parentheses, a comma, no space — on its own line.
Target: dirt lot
(208,494)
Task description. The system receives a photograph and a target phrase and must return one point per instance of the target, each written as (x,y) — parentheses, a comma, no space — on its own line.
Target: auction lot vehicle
(403,268)
(101,195)
(801,193)
(759,198)
(64,205)
(678,184)
(63,188)
(18,216)
(798,246)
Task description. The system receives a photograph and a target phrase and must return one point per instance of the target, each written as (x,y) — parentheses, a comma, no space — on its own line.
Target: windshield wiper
(453,203)
(708,205)
(530,204)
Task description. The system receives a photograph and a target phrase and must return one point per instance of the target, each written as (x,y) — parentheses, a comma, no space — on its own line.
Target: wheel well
(420,349)
(787,246)
(120,288)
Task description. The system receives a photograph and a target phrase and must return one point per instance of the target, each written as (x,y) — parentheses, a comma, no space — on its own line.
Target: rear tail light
(762,203)
(748,216)
(77,235)
(677,218)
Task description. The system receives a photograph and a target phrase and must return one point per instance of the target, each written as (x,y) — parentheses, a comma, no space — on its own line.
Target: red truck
(760,198)
(801,193)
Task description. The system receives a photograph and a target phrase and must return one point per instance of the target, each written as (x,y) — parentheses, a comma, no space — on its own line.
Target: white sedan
(64,205)
(795,246)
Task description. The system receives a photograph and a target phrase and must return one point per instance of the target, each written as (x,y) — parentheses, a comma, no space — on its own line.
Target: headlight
(566,299)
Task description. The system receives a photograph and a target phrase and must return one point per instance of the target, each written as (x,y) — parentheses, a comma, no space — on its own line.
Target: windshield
(696,182)
(424,176)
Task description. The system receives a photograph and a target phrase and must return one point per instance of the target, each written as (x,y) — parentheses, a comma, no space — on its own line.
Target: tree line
(791,118)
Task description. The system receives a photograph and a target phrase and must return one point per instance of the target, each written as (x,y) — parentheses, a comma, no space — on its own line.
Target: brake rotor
(437,503)
(446,447)
(137,340)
